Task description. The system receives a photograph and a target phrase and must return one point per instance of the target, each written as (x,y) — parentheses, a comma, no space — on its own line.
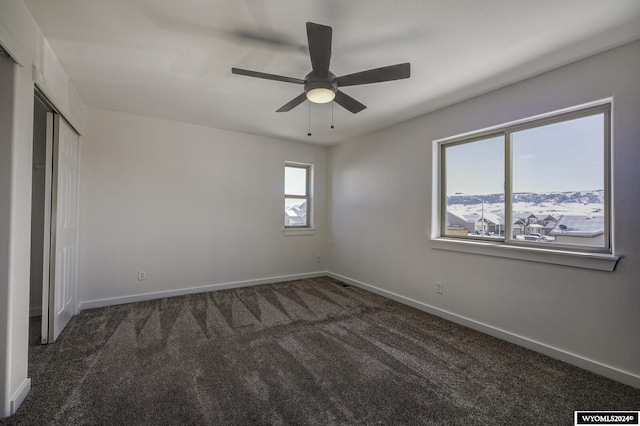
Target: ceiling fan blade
(377,75)
(293,103)
(319,38)
(266,76)
(348,103)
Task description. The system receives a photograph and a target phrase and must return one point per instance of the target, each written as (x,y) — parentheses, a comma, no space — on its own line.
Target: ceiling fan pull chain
(332,103)
(309,134)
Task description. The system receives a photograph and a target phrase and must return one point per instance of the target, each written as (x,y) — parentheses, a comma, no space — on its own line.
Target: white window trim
(298,231)
(599,261)
(588,260)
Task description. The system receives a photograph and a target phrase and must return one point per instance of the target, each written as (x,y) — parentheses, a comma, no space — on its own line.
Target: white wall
(380,216)
(22,38)
(191,206)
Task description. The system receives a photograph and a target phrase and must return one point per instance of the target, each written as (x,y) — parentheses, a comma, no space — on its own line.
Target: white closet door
(64,227)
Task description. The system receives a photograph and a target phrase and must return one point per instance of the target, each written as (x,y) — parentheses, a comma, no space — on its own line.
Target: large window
(536,183)
(297,195)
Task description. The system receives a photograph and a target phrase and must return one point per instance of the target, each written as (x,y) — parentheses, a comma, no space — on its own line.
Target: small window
(297,195)
(537,183)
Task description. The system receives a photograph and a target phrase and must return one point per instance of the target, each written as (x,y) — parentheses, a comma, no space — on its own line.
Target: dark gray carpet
(309,352)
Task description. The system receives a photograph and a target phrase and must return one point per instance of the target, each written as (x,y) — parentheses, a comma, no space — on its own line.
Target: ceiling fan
(321,85)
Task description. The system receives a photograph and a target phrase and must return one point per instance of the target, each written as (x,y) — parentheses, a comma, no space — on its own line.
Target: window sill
(599,261)
(298,231)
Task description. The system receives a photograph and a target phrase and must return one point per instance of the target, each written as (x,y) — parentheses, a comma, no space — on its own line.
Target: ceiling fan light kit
(321,85)
(321,95)
(320,92)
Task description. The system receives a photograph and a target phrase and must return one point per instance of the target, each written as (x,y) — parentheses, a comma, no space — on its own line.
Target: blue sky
(560,157)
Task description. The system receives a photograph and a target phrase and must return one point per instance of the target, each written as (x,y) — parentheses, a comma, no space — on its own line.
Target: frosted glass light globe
(320,95)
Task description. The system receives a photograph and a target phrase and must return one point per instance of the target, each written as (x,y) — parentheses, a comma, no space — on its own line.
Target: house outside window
(541,182)
(297,195)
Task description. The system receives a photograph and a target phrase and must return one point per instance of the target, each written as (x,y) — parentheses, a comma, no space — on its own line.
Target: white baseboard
(99,303)
(35,311)
(19,395)
(570,358)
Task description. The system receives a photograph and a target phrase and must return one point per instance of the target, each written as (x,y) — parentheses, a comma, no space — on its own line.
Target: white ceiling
(172,58)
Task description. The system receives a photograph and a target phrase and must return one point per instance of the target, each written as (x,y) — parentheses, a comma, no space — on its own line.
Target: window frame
(307,197)
(602,258)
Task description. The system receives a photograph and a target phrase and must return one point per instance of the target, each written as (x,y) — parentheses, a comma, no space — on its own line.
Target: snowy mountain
(554,203)
(582,197)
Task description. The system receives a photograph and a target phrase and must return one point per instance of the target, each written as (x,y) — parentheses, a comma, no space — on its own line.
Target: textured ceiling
(172,58)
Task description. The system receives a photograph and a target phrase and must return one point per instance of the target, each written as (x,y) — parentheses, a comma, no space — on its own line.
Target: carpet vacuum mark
(308,352)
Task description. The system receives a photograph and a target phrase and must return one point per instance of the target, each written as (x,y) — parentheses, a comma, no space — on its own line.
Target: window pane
(295,212)
(558,182)
(295,180)
(474,185)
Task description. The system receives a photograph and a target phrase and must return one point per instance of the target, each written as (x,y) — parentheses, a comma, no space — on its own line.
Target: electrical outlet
(142,275)
(439,287)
